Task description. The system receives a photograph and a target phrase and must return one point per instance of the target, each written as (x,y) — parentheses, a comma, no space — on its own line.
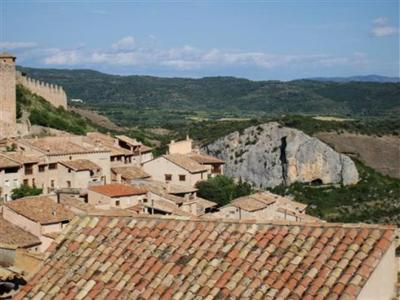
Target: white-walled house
(79,174)
(176,169)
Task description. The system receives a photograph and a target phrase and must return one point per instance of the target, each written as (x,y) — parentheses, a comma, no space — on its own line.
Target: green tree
(25,191)
(222,189)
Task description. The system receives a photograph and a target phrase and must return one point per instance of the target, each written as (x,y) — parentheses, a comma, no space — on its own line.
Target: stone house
(79,174)
(41,216)
(128,174)
(16,169)
(176,169)
(265,206)
(116,195)
(53,150)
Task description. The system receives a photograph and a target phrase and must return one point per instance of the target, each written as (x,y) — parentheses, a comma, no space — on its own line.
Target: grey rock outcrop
(269,155)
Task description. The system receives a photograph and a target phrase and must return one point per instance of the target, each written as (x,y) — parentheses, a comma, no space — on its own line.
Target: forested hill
(225,93)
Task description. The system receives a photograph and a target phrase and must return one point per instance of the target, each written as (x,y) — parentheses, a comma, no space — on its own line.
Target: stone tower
(8,117)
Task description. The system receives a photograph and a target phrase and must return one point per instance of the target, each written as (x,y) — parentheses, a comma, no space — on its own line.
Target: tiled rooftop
(40,209)
(81,165)
(205,159)
(130,172)
(14,237)
(118,190)
(6,162)
(158,258)
(186,163)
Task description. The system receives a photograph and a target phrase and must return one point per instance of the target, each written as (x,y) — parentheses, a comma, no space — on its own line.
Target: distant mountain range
(224,94)
(361,78)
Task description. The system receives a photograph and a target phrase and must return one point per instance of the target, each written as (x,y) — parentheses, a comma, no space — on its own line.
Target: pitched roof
(118,190)
(61,145)
(128,140)
(15,237)
(185,162)
(261,200)
(130,172)
(106,141)
(21,158)
(81,165)
(6,162)
(205,159)
(41,209)
(121,257)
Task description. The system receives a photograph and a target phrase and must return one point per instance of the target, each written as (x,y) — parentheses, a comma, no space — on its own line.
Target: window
(68,183)
(168,177)
(52,166)
(69,170)
(42,168)
(52,183)
(117,203)
(182,177)
(26,182)
(33,182)
(28,169)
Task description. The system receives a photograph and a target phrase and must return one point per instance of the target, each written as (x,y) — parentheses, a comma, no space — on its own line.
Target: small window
(69,170)
(68,183)
(168,177)
(42,168)
(26,182)
(52,166)
(182,177)
(52,183)
(117,203)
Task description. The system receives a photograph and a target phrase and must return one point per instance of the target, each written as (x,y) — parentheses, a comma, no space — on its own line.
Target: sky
(260,40)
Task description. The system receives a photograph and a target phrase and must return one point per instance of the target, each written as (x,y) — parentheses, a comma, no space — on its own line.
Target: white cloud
(125,44)
(17,45)
(63,57)
(382,28)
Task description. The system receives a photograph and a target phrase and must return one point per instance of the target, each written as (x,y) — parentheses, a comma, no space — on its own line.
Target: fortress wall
(52,93)
(7,98)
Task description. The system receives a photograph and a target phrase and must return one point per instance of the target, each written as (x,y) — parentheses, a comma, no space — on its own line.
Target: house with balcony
(79,174)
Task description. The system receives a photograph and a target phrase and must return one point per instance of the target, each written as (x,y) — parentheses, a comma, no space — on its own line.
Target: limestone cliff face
(269,155)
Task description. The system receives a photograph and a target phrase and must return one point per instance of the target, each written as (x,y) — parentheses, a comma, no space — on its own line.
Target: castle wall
(8,116)
(52,93)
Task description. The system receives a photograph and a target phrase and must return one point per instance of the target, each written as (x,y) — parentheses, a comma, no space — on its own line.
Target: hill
(361,78)
(130,100)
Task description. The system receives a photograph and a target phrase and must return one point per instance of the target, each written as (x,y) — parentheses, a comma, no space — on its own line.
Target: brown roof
(81,165)
(128,140)
(252,202)
(159,258)
(15,237)
(145,149)
(108,142)
(21,158)
(118,190)
(6,162)
(130,172)
(185,162)
(61,145)
(41,209)
(205,159)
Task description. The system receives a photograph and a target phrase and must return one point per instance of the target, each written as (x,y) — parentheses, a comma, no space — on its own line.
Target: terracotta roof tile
(118,190)
(81,165)
(130,172)
(41,209)
(171,259)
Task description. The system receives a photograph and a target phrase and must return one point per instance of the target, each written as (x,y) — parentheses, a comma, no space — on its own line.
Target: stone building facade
(8,116)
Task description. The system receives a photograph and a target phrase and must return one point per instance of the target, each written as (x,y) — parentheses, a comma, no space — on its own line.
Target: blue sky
(252,39)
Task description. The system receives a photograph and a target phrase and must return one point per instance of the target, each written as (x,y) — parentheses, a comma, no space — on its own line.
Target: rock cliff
(269,155)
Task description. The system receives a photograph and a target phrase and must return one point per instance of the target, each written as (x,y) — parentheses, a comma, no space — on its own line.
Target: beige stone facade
(8,119)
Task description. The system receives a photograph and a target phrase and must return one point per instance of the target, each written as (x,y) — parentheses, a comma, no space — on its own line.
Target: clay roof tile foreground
(118,190)
(159,258)
(41,209)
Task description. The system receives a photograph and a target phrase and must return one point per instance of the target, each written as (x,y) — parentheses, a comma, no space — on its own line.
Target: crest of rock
(268,155)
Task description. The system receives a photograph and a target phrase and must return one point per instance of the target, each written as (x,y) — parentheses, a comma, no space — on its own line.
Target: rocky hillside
(269,155)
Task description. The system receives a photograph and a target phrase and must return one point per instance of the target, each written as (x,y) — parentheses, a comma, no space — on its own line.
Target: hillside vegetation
(375,199)
(132,100)
(42,113)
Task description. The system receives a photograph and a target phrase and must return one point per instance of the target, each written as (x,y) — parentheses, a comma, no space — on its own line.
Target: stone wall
(52,93)
(7,97)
